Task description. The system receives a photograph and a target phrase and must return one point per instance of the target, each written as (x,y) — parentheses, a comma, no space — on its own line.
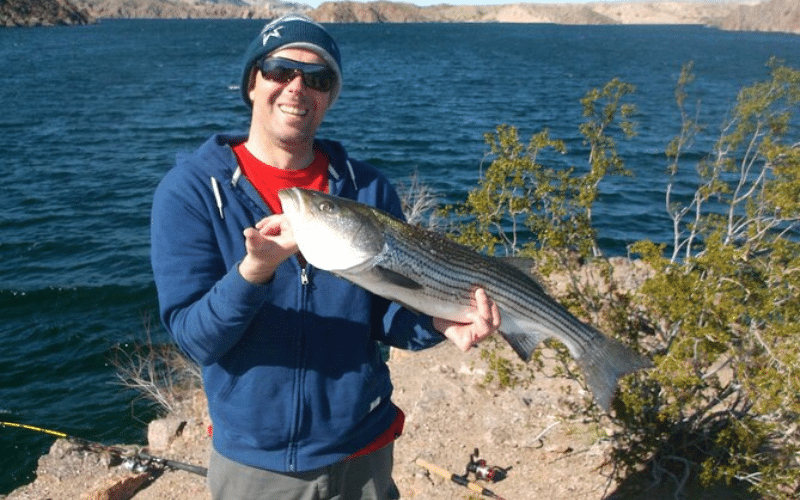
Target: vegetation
(720,313)
(726,394)
(159,372)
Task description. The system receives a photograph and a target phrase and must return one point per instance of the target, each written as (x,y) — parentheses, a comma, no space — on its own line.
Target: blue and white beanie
(293,31)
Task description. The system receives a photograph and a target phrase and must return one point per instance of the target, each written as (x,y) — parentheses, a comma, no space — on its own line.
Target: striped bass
(429,273)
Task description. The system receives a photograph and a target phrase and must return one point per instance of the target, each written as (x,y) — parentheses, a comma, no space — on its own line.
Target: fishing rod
(134,460)
(461,480)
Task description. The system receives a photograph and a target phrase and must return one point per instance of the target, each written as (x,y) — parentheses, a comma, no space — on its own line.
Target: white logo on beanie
(275,32)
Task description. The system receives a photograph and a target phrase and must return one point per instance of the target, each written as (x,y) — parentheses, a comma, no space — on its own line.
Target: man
(298,392)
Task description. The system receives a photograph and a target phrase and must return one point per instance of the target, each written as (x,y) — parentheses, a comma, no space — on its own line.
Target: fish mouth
(291,200)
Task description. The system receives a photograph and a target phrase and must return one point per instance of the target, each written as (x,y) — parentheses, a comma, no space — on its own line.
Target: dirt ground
(536,433)
(548,451)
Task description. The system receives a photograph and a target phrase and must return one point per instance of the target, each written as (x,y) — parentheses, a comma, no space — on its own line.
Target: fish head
(332,233)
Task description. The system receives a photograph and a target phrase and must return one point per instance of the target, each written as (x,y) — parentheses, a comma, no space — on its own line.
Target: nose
(296,83)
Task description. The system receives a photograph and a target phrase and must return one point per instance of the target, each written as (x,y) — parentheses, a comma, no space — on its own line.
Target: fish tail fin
(604,364)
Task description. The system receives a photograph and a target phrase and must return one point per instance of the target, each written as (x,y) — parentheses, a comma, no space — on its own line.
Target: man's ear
(252,84)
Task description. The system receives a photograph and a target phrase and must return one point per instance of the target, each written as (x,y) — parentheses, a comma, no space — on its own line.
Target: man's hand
(268,244)
(485,320)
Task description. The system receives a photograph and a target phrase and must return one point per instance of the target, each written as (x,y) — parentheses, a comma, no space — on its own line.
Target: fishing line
(137,461)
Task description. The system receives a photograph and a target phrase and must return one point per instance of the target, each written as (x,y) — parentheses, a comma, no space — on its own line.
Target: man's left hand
(485,320)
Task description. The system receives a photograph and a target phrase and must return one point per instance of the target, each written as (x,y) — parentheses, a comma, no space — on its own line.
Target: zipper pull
(303,277)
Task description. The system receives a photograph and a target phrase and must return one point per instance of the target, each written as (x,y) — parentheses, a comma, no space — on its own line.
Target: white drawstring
(352,174)
(215,188)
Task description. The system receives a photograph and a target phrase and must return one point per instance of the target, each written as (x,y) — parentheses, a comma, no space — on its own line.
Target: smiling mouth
(293,110)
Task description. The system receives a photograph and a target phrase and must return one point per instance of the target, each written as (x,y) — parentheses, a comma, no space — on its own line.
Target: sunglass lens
(278,74)
(315,76)
(321,80)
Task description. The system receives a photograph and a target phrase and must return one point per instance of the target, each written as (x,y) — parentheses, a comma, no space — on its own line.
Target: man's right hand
(268,244)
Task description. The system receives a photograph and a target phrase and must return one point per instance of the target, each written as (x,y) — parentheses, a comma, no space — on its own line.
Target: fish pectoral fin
(522,336)
(396,279)
(523,343)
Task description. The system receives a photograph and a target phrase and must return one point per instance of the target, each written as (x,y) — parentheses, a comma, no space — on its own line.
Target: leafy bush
(726,393)
(720,314)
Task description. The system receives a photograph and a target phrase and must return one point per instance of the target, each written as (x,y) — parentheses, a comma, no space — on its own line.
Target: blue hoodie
(292,369)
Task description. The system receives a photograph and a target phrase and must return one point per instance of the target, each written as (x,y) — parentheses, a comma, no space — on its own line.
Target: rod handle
(449,475)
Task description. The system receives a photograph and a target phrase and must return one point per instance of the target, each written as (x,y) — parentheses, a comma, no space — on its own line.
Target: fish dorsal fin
(523,264)
(396,278)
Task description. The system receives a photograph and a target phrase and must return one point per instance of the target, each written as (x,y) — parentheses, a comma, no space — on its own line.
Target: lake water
(93,116)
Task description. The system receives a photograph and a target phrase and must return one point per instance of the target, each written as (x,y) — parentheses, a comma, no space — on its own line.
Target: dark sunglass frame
(315,76)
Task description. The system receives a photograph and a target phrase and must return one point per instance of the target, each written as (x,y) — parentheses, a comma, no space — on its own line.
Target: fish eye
(325,206)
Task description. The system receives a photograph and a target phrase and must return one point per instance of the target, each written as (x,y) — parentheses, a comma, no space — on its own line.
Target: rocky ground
(449,412)
(551,451)
(536,432)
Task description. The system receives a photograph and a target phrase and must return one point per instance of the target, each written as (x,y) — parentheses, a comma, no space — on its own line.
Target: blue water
(93,116)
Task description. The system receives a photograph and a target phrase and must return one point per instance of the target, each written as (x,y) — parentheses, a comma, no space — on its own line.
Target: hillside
(770,15)
(42,13)
(186,9)
(671,12)
(773,15)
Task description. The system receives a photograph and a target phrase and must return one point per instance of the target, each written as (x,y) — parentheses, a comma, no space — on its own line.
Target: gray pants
(368,477)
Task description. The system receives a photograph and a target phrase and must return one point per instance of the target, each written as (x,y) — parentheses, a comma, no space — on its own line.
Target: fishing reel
(484,471)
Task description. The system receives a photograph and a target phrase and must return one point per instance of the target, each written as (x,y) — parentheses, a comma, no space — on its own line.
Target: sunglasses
(315,76)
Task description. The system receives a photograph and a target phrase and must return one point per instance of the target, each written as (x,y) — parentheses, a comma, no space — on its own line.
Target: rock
(161,433)
(773,15)
(42,13)
(123,489)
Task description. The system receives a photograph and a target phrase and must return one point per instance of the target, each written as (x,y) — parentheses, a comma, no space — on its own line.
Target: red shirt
(268,180)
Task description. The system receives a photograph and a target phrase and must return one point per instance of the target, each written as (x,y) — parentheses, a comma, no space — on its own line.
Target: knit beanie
(292,31)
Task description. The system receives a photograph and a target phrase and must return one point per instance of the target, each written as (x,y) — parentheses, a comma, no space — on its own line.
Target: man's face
(288,114)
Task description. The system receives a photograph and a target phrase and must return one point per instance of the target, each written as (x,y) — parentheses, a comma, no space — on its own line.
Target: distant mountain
(42,13)
(190,9)
(773,15)
(632,12)
(770,15)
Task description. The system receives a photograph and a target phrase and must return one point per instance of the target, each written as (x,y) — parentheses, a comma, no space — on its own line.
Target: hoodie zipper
(303,276)
(299,381)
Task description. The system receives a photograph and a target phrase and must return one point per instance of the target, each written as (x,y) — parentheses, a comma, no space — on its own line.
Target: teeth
(293,110)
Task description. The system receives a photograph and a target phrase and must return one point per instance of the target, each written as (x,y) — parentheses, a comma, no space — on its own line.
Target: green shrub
(725,396)
(720,314)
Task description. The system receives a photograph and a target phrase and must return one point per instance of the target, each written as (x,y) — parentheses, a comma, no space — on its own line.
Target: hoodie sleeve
(205,306)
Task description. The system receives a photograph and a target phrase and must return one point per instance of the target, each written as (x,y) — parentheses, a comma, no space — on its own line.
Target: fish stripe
(429,273)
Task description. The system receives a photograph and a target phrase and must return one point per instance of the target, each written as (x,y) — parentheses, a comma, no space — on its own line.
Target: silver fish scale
(429,273)
(451,272)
